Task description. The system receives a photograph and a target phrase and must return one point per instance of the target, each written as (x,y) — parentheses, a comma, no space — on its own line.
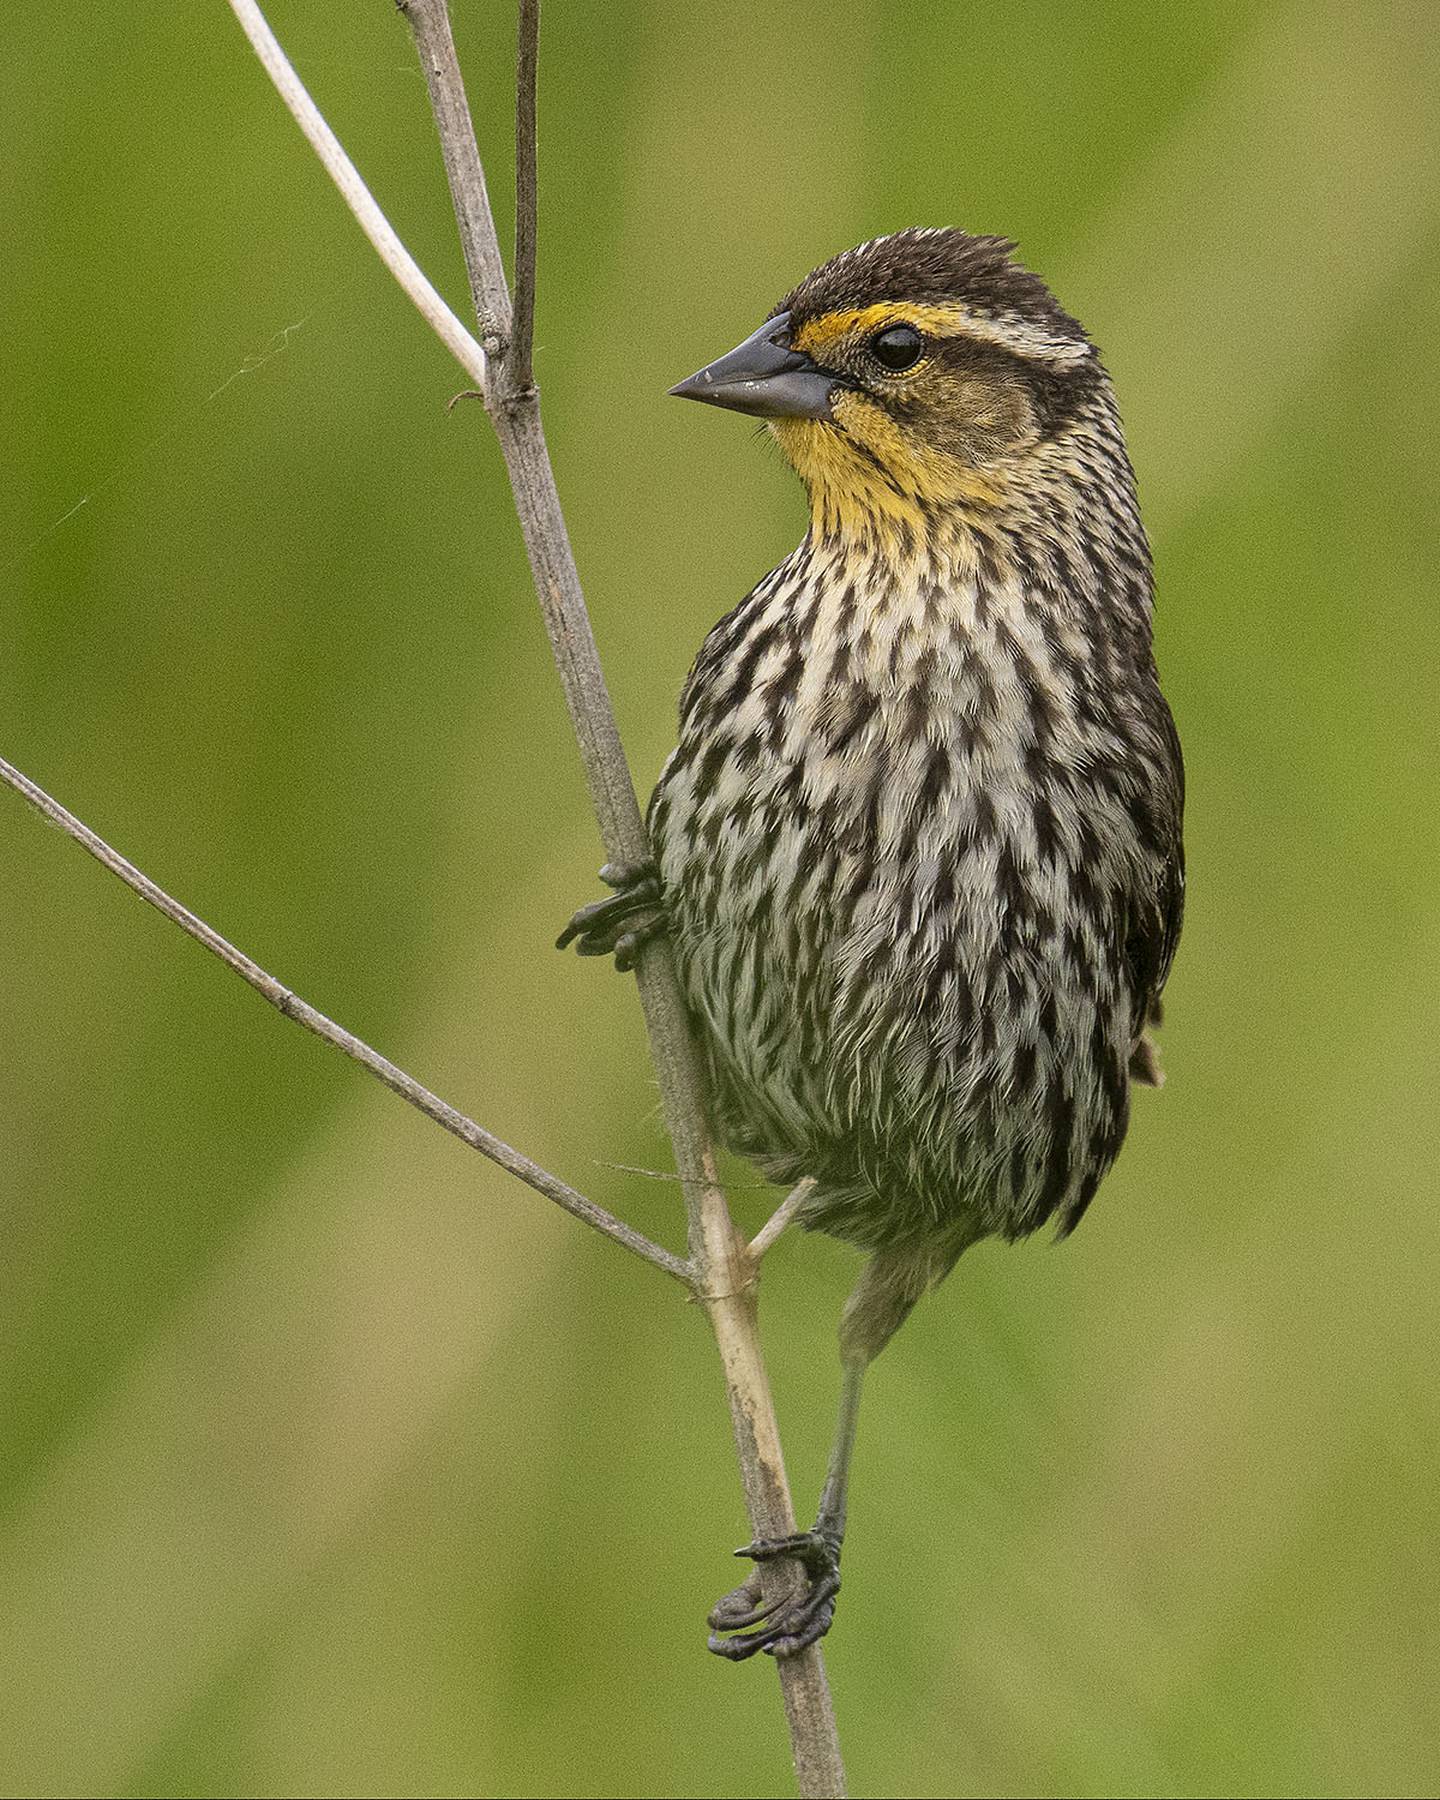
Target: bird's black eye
(897,347)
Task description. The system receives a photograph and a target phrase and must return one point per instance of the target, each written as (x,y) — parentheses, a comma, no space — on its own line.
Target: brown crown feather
(930,265)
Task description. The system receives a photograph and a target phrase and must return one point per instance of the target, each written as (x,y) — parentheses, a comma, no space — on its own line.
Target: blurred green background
(331,1460)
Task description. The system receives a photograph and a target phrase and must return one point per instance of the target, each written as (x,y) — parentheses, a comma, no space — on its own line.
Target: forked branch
(724,1272)
(721,1270)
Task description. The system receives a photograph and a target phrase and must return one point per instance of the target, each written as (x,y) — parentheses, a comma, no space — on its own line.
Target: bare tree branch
(485,266)
(724,1273)
(456,339)
(527,61)
(293,1007)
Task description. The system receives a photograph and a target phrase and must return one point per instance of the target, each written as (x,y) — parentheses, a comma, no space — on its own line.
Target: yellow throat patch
(867,475)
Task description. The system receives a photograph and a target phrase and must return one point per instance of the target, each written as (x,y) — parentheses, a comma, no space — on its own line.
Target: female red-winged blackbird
(918,848)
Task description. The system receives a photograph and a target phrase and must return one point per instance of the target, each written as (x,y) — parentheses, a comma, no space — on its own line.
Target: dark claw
(630,943)
(626,875)
(741,1607)
(791,1623)
(622,925)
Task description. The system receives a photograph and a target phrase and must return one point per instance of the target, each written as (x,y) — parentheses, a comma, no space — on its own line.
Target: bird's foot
(794,1621)
(622,925)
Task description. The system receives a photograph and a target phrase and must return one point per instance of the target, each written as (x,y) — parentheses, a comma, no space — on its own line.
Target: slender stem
(724,1276)
(527,59)
(456,339)
(489,291)
(778,1220)
(293,1007)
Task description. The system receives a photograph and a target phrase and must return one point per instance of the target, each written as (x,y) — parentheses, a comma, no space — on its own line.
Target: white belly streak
(941,675)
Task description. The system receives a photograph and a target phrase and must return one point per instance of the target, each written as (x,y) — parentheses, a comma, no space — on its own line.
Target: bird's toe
(793,1621)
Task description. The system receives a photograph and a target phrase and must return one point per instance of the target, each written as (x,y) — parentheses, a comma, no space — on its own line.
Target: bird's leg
(801,1617)
(622,925)
(882,1299)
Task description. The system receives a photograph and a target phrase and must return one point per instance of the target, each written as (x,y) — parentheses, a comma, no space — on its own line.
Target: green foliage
(333,1461)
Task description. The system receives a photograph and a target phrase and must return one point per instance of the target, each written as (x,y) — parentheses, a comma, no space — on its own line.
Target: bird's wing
(1153,926)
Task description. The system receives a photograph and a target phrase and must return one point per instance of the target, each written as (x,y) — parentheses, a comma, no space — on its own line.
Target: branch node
(519,400)
(712,1294)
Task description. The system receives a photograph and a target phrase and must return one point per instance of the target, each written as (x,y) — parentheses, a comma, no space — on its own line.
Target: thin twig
(456,339)
(293,1007)
(778,1220)
(607,775)
(527,60)
(489,291)
(724,1276)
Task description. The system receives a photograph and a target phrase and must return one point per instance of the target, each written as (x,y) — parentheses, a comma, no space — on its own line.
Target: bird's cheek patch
(904,456)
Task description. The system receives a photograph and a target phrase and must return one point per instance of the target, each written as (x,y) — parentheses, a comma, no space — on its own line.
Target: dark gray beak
(766,377)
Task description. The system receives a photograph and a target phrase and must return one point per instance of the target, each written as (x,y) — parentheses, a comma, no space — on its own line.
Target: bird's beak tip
(763,376)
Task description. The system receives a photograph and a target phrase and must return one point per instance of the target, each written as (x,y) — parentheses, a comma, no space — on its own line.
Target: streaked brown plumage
(918,845)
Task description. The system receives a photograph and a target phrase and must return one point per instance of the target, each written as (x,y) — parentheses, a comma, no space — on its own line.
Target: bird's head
(916,374)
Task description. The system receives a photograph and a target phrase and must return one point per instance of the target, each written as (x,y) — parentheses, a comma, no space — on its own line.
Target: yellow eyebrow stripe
(1021,337)
(938,321)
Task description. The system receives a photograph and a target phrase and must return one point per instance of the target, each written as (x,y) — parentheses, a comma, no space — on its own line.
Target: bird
(918,848)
